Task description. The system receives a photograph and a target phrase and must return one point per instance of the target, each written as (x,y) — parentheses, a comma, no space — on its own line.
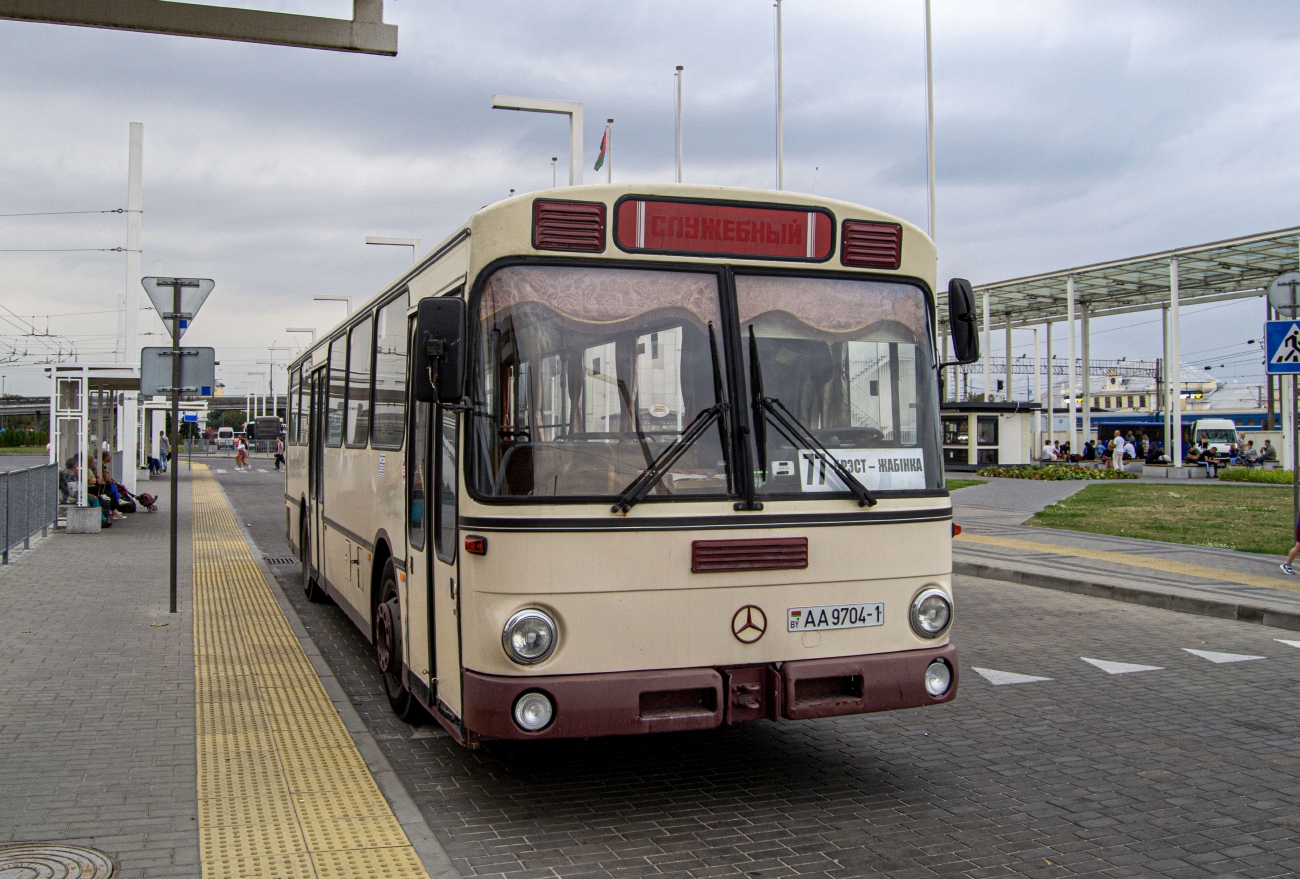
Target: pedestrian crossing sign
(1282,344)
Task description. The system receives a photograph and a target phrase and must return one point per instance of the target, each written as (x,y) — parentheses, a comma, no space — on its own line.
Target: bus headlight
(529,636)
(533,711)
(938,678)
(931,613)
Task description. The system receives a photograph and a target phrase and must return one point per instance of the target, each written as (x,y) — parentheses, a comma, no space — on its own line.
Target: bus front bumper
(674,700)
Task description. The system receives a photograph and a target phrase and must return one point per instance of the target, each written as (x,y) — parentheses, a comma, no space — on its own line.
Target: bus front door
(313,555)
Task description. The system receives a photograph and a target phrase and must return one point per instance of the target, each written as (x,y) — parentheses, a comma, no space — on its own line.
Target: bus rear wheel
(388,648)
(310,587)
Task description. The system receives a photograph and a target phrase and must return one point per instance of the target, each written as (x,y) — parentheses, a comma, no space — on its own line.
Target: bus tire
(388,648)
(310,587)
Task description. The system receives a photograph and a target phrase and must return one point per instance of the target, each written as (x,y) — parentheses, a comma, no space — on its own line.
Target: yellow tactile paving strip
(282,790)
(1137,561)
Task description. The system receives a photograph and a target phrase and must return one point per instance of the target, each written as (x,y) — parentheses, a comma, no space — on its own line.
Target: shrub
(13,438)
(1055,472)
(1249,474)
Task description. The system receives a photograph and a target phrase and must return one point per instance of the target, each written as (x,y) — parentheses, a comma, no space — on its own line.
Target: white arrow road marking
(1000,678)
(222,470)
(1119,668)
(1285,641)
(1221,657)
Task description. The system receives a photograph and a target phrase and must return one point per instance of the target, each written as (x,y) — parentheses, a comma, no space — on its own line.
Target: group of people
(102,490)
(1120,449)
(241,454)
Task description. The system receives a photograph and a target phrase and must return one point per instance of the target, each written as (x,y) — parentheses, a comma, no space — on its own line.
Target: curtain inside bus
(584,375)
(852,362)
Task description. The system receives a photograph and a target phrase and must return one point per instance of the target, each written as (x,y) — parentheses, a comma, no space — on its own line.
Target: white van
(225,437)
(1216,434)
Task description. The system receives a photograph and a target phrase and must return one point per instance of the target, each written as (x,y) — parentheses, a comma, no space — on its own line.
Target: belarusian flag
(600,159)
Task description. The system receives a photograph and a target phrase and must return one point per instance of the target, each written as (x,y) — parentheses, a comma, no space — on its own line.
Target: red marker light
(475,545)
(956,529)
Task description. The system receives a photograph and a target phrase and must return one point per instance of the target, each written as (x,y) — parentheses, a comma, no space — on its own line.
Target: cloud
(1067,133)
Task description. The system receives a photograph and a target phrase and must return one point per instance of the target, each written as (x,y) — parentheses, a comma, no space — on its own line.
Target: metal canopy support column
(1037,397)
(1051,393)
(130,412)
(1069,387)
(1007,324)
(1086,378)
(1165,404)
(987,353)
(1175,367)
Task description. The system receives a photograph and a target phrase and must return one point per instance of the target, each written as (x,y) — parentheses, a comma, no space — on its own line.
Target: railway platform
(212,742)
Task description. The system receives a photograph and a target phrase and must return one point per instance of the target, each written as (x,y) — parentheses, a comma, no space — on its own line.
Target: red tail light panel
(871,245)
(569,225)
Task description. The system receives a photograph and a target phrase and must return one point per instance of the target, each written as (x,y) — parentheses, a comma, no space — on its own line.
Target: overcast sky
(1067,133)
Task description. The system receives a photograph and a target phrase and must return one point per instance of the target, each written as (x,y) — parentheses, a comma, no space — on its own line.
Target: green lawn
(23,450)
(1249,518)
(954,484)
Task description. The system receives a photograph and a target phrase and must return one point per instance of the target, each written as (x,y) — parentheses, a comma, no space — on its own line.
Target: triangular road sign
(1001,678)
(162,292)
(1119,668)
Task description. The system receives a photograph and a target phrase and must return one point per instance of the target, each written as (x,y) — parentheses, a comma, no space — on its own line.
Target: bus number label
(836,616)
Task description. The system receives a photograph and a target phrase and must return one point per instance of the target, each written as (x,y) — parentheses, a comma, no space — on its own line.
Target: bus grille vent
(770,554)
(568,225)
(872,245)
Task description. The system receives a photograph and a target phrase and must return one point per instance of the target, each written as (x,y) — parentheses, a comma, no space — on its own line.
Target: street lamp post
(678,76)
(413,243)
(347,300)
(311,330)
(572,109)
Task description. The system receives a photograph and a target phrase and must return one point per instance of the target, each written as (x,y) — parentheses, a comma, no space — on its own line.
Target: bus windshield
(585,375)
(851,362)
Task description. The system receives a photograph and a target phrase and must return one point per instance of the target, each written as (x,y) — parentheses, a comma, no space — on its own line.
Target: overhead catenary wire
(64,213)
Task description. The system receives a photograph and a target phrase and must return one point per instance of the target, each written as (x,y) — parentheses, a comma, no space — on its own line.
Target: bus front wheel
(388,648)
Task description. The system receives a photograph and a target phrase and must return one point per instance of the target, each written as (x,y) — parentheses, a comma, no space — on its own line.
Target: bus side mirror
(962,321)
(438,366)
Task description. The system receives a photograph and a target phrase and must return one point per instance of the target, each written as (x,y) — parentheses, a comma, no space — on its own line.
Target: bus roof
(494,232)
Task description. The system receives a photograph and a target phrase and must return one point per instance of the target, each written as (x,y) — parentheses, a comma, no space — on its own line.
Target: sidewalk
(1192,579)
(97,697)
(104,745)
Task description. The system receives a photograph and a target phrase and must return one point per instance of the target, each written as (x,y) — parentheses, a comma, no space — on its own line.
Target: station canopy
(1238,268)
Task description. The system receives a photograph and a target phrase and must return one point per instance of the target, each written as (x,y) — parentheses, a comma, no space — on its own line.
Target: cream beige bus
(616,460)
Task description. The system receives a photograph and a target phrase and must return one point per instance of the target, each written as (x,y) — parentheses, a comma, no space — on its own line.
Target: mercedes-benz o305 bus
(616,460)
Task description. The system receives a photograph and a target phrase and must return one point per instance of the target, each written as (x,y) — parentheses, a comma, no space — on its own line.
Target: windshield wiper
(658,468)
(791,428)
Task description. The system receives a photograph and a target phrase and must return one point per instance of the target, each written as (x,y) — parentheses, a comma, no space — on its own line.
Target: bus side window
(357,430)
(291,407)
(388,418)
(445,522)
(304,404)
(415,466)
(337,394)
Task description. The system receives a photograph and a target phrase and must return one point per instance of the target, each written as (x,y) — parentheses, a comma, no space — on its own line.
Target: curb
(1206,607)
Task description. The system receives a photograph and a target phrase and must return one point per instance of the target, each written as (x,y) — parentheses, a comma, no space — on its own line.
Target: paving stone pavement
(97,697)
(1189,771)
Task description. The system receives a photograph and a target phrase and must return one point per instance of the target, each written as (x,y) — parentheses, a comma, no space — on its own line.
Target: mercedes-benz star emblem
(749,624)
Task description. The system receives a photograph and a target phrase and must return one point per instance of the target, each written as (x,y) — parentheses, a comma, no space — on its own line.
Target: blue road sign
(191,417)
(1282,344)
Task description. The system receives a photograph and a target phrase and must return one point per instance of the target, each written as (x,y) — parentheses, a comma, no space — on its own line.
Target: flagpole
(780,126)
(679,123)
(609,156)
